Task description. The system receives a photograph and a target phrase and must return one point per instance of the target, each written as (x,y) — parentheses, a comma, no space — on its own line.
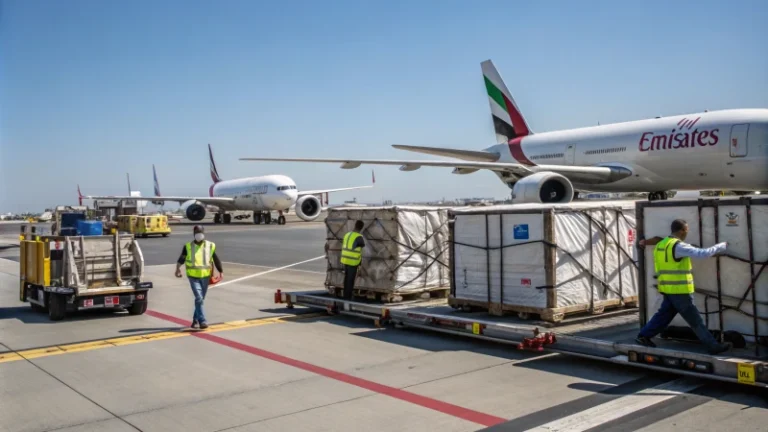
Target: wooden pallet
(387,296)
(552,315)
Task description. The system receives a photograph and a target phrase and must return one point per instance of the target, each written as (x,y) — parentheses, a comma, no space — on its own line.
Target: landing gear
(658,196)
(227,218)
(259,217)
(281,218)
(217,218)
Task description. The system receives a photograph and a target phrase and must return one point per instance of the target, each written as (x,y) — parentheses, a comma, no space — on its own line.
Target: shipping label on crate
(525,282)
(521,232)
(631,237)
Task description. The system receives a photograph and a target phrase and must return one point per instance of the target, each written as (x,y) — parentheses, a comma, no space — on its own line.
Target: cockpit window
(282,188)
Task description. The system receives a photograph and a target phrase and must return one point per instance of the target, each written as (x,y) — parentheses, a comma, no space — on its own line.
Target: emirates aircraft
(722,150)
(262,195)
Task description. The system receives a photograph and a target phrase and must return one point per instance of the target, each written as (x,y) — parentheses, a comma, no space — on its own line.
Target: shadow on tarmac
(27,315)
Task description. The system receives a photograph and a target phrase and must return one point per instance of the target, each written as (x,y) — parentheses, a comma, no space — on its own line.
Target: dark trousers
(678,304)
(350,272)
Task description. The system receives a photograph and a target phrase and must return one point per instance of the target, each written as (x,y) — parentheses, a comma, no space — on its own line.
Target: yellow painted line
(129,340)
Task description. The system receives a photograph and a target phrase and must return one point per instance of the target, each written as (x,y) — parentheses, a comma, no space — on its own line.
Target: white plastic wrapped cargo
(546,259)
(406,248)
(743,223)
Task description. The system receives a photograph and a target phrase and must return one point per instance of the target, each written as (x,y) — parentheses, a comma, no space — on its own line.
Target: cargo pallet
(387,296)
(737,366)
(552,315)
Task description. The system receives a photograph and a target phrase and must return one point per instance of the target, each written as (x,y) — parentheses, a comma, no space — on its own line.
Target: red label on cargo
(631,236)
(525,282)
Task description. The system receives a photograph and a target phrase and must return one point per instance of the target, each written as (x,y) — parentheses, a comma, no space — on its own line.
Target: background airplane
(262,195)
(722,150)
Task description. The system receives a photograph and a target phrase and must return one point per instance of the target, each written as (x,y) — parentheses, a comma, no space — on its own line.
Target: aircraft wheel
(267,218)
(281,220)
(663,195)
(256,218)
(217,218)
(227,218)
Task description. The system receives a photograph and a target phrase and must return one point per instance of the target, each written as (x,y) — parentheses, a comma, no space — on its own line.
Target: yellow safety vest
(199,258)
(349,256)
(674,277)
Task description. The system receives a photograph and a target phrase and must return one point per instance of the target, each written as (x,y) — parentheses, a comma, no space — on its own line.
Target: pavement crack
(73,389)
(298,412)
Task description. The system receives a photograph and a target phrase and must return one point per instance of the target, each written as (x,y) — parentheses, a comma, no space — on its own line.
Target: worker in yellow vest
(199,256)
(351,257)
(674,274)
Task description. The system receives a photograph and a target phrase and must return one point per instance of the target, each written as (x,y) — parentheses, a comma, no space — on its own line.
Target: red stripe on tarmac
(426,402)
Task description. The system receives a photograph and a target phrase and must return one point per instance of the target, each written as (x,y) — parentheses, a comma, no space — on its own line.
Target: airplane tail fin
(214,172)
(508,120)
(79,195)
(157,183)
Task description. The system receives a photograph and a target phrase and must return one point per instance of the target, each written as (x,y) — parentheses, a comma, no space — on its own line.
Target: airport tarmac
(261,367)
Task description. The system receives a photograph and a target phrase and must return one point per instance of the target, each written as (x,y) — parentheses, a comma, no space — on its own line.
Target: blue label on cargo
(521,232)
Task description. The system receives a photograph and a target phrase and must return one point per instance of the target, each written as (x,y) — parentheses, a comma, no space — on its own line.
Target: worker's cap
(198,229)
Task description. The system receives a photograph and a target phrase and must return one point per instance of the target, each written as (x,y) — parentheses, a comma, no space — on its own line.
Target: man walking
(351,256)
(197,256)
(672,262)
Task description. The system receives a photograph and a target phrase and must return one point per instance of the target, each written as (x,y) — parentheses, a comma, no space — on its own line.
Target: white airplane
(262,195)
(711,150)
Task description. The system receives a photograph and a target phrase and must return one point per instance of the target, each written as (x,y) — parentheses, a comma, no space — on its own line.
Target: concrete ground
(260,367)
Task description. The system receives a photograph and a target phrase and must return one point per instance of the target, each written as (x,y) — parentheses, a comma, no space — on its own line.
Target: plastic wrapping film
(738,308)
(517,236)
(406,247)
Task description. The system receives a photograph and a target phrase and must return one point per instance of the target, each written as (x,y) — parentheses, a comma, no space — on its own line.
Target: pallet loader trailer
(607,338)
(63,274)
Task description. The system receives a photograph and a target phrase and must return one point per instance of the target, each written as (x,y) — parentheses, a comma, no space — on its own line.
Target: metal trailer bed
(607,337)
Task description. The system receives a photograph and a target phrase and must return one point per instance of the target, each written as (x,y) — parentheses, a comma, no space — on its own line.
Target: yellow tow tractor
(62,274)
(144,226)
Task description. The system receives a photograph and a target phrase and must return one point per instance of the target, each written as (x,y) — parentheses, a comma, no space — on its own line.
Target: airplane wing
(581,174)
(322,191)
(220,202)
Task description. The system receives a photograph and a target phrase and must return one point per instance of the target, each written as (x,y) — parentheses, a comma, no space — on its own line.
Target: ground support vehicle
(144,225)
(61,274)
(608,337)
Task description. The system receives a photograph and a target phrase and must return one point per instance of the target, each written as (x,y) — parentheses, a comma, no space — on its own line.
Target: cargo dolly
(610,339)
(61,274)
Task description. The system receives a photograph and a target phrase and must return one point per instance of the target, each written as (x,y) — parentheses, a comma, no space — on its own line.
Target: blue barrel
(90,228)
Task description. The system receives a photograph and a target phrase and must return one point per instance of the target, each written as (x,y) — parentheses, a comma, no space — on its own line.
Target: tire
(57,307)
(227,218)
(165,235)
(138,308)
(257,218)
(267,218)
(37,308)
(281,220)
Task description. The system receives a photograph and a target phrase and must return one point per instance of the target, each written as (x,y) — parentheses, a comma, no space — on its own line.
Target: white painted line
(619,407)
(268,271)
(268,267)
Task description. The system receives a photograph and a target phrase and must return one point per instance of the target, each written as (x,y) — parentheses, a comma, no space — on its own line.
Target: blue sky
(90,90)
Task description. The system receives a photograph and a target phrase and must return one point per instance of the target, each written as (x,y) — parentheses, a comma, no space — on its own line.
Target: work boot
(195,325)
(203,325)
(719,348)
(645,341)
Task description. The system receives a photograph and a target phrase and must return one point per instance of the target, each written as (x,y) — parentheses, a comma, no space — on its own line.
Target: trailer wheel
(57,307)
(37,308)
(138,308)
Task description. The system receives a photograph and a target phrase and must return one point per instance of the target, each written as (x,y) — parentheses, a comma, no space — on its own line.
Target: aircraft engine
(193,210)
(543,187)
(308,208)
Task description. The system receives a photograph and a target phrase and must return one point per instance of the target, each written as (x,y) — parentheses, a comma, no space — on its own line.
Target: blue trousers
(199,289)
(678,304)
